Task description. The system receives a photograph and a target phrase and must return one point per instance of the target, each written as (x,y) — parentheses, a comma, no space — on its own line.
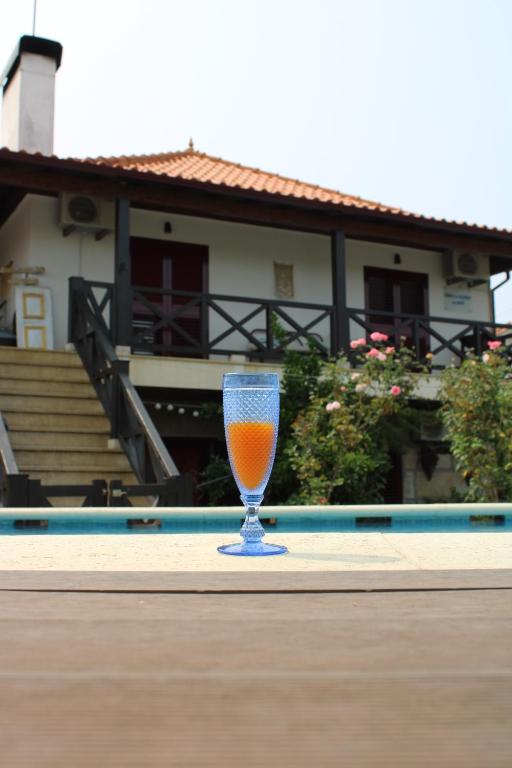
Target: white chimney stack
(28,85)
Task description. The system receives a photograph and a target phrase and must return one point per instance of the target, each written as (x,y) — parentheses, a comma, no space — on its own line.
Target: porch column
(339,325)
(122,276)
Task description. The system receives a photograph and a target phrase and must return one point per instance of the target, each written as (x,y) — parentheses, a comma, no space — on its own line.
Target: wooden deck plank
(219,581)
(152,724)
(141,678)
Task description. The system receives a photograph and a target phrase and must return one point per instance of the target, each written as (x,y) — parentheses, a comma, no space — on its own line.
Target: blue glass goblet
(251,420)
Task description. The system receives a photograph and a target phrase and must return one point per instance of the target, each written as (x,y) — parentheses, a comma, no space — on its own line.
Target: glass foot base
(252,550)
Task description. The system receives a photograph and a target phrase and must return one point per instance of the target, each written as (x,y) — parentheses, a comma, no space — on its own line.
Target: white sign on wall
(458,301)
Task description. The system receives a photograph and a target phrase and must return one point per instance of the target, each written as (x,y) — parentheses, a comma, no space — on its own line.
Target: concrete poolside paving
(369,550)
(356,649)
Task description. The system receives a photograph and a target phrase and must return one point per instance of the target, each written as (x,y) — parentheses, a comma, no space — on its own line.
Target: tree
(477,414)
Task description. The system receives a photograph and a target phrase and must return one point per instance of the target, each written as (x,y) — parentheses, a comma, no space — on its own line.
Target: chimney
(28,90)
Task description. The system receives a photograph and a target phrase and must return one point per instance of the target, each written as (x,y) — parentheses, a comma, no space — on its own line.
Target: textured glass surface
(251,421)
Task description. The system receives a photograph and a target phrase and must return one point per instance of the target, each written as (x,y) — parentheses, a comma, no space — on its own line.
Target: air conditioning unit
(465,267)
(81,212)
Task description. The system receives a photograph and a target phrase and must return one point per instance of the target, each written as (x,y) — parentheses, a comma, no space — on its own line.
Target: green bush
(341,440)
(338,427)
(477,414)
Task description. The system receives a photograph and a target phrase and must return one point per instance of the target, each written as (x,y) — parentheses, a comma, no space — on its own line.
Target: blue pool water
(214,523)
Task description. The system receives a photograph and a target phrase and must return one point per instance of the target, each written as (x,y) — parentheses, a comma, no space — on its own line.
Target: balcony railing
(447,339)
(192,324)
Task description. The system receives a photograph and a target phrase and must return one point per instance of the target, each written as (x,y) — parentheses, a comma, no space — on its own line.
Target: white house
(184,260)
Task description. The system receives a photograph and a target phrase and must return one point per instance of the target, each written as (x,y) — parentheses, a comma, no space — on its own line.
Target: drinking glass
(251,419)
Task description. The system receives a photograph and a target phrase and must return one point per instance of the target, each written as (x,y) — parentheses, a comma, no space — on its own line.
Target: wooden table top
(393,669)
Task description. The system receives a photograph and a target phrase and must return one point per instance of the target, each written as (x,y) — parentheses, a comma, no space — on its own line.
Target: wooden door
(389,295)
(165,268)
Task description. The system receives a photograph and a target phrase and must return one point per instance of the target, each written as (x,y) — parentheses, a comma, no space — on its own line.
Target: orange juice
(250,446)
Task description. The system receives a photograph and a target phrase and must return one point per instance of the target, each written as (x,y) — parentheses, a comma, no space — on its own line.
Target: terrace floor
(353,650)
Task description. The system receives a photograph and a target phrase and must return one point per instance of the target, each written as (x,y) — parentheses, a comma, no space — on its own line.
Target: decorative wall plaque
(283,281)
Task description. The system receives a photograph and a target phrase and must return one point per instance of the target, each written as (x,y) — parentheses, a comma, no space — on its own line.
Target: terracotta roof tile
(189,164)
(198,166)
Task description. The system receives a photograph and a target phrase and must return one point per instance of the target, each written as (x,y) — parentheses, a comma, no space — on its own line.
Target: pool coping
(284,511)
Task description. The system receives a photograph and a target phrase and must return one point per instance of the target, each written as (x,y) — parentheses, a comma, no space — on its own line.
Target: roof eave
(91,169)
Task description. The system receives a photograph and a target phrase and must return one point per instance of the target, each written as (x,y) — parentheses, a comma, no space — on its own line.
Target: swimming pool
(150,520)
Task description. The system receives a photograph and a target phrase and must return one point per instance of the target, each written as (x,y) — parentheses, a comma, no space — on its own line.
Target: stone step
(48,422)
(39,357)
(43,372)
(60,441)
(77,477)
(50,405)
(41,388)
(77,501)
(87,461)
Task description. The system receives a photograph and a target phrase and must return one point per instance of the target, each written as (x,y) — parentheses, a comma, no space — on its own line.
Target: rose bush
(477,415)
(341,440)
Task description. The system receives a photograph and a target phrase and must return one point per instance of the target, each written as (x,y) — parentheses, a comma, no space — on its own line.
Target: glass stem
(252,530)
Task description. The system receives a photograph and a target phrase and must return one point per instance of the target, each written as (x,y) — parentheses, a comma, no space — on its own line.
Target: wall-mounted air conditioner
(81,212)
(465,267)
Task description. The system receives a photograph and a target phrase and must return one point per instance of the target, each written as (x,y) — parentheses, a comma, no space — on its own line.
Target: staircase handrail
(8,464)
(130,421)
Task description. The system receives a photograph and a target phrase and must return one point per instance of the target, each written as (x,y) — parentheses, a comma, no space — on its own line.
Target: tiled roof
(189,164)
(198,166)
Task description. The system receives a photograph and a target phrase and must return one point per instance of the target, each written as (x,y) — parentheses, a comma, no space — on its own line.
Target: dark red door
(161,269)
(391,297)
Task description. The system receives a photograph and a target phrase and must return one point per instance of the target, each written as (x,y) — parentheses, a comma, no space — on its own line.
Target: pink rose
(343,389)
(395,390)
(389,350)
(332,406)
(494,344)
(377,336)
(357,343)
(373,352)
(360,387)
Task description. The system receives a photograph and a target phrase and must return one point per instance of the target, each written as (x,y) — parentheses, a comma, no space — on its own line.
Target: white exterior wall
(241,261)
(14,246)
(31,237)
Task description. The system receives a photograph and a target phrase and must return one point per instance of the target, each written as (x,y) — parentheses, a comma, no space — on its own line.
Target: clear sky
(402,101)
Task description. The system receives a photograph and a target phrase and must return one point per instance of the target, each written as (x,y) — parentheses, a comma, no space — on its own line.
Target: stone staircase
(57,426)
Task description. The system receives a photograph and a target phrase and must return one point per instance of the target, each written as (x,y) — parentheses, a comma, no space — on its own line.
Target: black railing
(445,338)
(192,324)
(195,324)
(91,333)
(8,468)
